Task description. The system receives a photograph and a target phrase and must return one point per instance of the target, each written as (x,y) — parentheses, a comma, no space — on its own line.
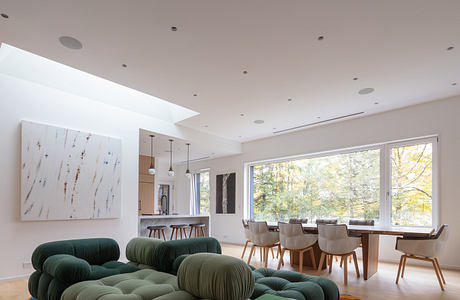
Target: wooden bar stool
(157,230)
(179,229)
(199,229)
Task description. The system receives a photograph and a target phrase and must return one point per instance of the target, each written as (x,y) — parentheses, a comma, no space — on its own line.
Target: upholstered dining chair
(360,223)
(247,234)
(263,238)
(333,240)
(326,221)
(426,249)
(293,238)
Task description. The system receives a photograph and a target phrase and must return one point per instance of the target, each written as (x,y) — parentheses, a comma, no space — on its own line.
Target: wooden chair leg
(190,233)
(202,232)
(399,268)
(177,229)
(349,259)
(172,234)
(440,271)
(163,233)
(341,262)
(244,250)
(330,264)
(336,259)
(273,255)
(355,259)
(312,255)
(403,266)
(437,273)
(261,256)
(251,253)
(301,261)
(150,233)
(281,258)
(279,251)
(266,257)
(345,270)
(321,262)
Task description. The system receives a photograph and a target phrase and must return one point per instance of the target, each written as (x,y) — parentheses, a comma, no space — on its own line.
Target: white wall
(440,117)
(22,100)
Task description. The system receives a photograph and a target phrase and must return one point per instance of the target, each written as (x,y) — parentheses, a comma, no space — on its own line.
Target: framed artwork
(225,193)
(69,174)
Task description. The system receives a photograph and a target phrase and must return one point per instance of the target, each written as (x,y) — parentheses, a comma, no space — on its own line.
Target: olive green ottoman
(293,285)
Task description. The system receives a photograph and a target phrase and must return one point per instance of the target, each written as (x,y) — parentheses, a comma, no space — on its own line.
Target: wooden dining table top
(377,229)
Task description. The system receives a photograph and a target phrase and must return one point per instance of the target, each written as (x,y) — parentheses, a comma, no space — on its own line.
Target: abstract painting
(69,174)
(225,193)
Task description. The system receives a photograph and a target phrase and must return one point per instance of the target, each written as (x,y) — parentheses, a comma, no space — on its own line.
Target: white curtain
(193,199)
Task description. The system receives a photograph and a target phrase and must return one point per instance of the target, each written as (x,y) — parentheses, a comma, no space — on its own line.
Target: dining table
(370,236)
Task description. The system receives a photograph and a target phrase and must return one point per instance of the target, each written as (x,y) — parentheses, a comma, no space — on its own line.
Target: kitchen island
(167,220)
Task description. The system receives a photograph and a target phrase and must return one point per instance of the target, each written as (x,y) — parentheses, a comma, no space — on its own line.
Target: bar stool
(179,229)
(199,229)
(157,230)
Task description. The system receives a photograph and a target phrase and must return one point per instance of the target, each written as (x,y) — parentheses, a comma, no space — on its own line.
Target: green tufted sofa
(61,264)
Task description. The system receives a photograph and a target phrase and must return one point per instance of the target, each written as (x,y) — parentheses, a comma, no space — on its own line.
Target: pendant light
(152,170)
(187,172)
(171,171)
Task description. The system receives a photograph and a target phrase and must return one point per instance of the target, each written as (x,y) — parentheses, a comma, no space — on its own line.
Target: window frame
(197,196)
(385,217)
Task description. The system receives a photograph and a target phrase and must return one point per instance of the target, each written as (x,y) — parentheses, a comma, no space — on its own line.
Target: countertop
(172,217)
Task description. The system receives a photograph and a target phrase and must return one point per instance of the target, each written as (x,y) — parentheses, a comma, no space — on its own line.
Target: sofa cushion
(140,250)
(141,285)
(166,253)
(95,251)
(293,285)
(214,276)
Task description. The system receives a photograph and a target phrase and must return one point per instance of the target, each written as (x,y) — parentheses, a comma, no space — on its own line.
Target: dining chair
(293,238)
(247,234)
(298,221)
(263,238)
(333,240)
(360,223)
(426,249)
(326,221)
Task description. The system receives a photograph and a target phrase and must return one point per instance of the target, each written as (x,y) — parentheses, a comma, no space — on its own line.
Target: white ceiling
(161,148)
(397,47)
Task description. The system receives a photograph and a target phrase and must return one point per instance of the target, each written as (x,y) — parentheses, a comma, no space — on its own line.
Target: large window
(388,183)
(201,192)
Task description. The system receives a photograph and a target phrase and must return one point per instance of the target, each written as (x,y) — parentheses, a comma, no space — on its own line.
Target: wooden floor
(419,283)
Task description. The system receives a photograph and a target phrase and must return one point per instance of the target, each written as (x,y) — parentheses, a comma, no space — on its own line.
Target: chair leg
(301,261)
(281,258)
(403,266)
(336,259)
(437,273)
(244,250)
(190,233)
(278,252)
(202,232)
(177,229)
(251,253)
(355,259)
(345,270)
(349,259)
(312,255)
(163,233)
(440,271)
(172,233)
(330,264)
(266,257)
(321,262)
(273,255)
(341,262)
(150,233)
(261,256)
(399,268)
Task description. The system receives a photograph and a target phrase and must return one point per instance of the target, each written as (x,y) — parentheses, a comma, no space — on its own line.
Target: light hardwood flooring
(419,283)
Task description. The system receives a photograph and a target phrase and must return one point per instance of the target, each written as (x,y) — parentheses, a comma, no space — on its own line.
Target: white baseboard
(12,278)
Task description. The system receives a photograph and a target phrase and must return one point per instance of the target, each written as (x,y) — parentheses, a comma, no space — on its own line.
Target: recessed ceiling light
(70,42)
(194,95)
(242,115)
(245,72)
(173,28)
(320,38)
(366,91)
(274,128)
(356,78)
(454,83)
(206,126)
(289,100)
(259,121)
(450,48)
(4,16)
(376,103)
(318,117)
(124,65)
(240,136)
